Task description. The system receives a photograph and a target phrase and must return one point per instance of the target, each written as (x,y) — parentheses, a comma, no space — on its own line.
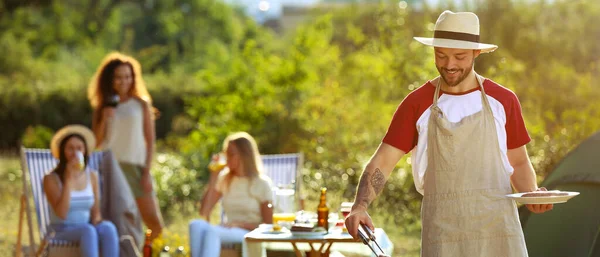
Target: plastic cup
(81,159)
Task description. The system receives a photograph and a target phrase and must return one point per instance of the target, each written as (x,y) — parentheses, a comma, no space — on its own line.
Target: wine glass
(345,208)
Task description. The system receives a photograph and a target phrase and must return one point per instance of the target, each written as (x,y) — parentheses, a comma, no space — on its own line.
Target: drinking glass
(345,208)
(284,219)
(218,162)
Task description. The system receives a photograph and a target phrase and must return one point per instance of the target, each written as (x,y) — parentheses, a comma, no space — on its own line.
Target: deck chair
(284,172)
(284,169)
(36,163)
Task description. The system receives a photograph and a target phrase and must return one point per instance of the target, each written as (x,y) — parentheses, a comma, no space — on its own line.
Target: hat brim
(458,44)
(83,131)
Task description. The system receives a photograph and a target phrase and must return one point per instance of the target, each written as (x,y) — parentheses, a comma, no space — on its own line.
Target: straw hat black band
(456,36)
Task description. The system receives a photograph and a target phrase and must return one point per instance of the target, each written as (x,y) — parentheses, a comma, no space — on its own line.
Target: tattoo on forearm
(378,181)
(363,195)
(370,185)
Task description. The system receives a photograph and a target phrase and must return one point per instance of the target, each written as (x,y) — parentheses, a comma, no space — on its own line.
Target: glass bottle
(323,211)
(180,252)
(165,252)
(147,250)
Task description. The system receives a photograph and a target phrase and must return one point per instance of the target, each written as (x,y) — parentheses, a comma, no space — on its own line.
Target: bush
(37,137)
(22,107)
(178,186)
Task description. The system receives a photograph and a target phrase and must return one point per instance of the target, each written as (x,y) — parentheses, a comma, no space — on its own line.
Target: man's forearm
(370,186)
(524,178)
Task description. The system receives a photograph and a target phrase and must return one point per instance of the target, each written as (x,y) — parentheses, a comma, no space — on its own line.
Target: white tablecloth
(345,248)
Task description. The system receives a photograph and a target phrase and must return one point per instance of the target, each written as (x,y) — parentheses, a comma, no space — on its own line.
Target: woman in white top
(72,192)
(123,122)
(246,198)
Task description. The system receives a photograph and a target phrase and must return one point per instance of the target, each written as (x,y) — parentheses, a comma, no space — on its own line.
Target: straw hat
(83,131)
(457,30)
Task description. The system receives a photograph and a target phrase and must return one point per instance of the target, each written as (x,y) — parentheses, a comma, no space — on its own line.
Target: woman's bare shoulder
(93,174)
(51,178)
(141,101)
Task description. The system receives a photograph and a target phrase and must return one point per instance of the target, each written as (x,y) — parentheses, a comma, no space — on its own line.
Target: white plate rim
(543,199)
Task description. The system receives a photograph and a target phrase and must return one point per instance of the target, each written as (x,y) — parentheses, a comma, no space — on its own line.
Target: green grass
(10,184)
(406,244)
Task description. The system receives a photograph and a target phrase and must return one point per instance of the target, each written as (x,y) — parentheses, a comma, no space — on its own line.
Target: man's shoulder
(423,93)
(499,92)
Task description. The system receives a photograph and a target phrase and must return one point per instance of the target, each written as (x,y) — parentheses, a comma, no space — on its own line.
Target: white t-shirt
(408,129)
(125,135)
(242,199)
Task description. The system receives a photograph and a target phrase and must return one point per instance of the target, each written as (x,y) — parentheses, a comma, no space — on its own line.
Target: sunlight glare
(264,6)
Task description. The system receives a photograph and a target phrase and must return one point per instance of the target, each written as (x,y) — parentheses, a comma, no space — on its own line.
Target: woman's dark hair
(62,158)
(107,77)
(101,86)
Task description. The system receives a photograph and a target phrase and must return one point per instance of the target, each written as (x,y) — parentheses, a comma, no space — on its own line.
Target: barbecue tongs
(368,236)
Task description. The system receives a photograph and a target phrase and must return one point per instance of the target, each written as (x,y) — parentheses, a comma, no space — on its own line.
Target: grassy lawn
(10,184)
(176,233)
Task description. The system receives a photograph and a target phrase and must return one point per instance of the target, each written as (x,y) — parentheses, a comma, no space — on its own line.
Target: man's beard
(464,72)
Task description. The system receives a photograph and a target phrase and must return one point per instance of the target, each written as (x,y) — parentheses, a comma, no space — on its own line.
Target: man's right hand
(355,218)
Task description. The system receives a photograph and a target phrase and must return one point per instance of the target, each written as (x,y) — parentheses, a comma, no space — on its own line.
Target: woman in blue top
(72,192)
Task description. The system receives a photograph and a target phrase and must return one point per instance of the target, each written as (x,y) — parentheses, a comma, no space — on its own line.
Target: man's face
(454,64)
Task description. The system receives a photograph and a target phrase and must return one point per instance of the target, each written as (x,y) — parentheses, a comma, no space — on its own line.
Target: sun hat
(457,30)
(64,132)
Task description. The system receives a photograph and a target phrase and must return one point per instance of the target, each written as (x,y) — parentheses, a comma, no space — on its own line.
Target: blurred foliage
(52,48)
(169,242)
(327,88)
(10,182)
(37,137)
(176,185)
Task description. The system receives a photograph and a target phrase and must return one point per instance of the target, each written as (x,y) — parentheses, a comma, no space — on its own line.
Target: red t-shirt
(402,132)
(408,129)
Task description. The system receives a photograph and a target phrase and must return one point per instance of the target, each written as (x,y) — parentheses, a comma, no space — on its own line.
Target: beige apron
(465,211)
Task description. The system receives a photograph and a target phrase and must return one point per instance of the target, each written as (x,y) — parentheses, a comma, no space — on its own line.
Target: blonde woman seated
(246,198)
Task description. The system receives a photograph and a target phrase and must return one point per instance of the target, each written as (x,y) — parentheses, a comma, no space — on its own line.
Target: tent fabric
(571,229)
(580,165)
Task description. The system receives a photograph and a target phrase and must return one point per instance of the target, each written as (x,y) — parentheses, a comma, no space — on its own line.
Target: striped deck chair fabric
(38,162)
(283,169)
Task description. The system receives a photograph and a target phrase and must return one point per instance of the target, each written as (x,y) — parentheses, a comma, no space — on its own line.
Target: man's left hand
(540,208)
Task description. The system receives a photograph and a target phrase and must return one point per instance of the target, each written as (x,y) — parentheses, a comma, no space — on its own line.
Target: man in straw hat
(468,140)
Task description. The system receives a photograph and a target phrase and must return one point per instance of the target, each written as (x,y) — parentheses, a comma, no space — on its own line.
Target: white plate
(282,231)
(542,199)
(275,232)
(308,234)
